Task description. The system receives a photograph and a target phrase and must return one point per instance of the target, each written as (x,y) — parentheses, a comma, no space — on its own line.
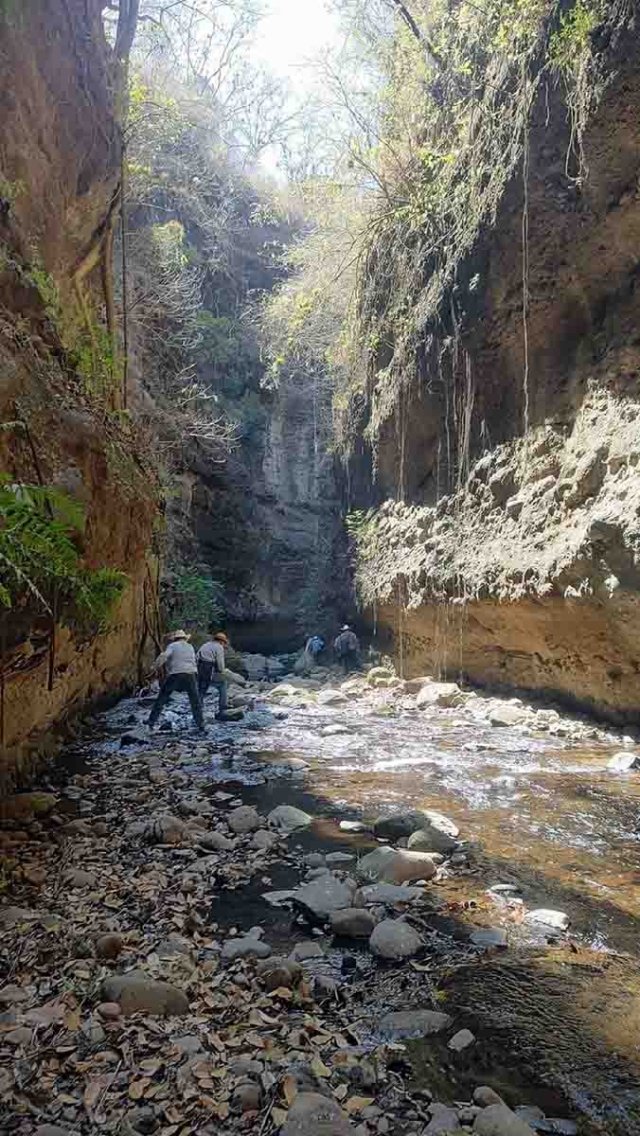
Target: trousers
(207,676)
(183,684)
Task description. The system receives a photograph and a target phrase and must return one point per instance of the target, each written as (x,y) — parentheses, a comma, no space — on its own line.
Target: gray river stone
(396,866)
(498,1120)
(312,1114)
(324,895)
(556,920)
(489,937)
(352,923)
(286,818)
(394,939)
(389,893)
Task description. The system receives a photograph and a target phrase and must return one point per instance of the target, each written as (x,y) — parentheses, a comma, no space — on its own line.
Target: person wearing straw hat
(211,669)
(181,674)
(346,648)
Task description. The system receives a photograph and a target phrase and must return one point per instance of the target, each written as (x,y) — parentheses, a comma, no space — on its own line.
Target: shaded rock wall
(516,546)
(59,171)
(267,525)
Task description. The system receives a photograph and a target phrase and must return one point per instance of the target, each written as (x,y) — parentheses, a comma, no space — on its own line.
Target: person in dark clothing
(346,649)
(179,662)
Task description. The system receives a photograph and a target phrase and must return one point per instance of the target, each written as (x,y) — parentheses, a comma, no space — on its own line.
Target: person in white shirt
(211,670)
(181,670)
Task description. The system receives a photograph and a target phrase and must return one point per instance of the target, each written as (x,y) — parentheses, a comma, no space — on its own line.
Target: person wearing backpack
(211,670)
(314,647)
(346,648)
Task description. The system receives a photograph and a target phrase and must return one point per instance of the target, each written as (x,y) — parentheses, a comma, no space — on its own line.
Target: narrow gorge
(319,405)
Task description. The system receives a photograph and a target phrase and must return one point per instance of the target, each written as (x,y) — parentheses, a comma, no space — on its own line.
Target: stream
(543,813)
(544,822)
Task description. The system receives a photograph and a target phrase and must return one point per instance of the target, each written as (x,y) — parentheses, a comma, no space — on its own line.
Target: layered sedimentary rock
(506,534)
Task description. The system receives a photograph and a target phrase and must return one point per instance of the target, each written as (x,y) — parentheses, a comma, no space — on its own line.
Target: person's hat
(346,627)
(220,637)
(179,635)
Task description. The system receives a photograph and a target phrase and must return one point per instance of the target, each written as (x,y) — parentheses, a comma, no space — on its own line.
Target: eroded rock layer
(513,555)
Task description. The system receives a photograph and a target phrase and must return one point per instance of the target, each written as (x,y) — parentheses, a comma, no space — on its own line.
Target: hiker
(180,674)
(313,648)
(211,670)
(346,649)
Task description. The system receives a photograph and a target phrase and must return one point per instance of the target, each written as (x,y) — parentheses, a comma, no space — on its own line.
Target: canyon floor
(229,933)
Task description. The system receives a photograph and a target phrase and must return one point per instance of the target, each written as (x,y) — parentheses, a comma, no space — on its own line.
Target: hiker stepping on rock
(211,670)
(181,674)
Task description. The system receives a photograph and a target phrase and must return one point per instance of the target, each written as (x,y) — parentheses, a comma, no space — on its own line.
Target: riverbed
(544,823)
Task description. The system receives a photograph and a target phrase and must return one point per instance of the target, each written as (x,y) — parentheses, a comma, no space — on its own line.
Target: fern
(38,557)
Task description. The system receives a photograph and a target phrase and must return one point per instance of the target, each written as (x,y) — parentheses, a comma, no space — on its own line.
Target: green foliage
(11,190)
(194,601)
(39,559)
(47,289)
(572,41)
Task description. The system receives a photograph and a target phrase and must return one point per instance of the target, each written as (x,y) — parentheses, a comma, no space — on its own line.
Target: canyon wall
(504,539)
(59,184)
(266,525)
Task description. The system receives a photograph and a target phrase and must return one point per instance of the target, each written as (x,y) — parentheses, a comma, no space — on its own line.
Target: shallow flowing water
(554,1014)
(541,812)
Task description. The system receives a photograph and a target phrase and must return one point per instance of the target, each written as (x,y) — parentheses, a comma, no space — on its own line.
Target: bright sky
(292,32)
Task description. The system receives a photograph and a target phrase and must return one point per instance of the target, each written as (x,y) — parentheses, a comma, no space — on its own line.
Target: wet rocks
(461,1040)
(352,923)
(393,939)
(487,937)
(396,866)
(442,831)
(443,694)
(403,1024)
(498,1120)
(312,1114)
(325,895)
(437,833)
(286,818)
(506,716)
(389,893)
(332,698)
(137,992)
(244,819)
(557,920)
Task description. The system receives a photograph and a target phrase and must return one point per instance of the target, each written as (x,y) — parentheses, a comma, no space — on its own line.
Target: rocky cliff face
(59,172)
(505,536)
(266,524)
